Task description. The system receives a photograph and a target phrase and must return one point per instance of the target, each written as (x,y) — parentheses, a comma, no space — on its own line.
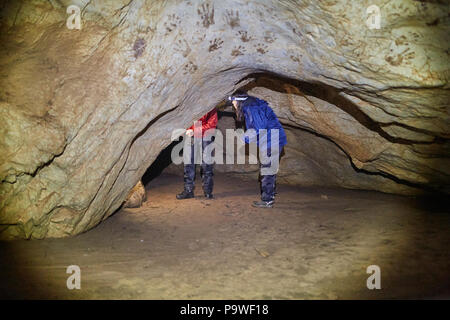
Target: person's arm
(190,131)
(274,123)
(208,121)
(251,134)
(211,121)
(270,121)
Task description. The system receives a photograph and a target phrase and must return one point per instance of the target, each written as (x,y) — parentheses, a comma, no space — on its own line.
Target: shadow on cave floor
(316,243)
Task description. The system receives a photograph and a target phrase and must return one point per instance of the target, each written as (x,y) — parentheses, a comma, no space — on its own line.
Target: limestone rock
(86,111)
(136,196)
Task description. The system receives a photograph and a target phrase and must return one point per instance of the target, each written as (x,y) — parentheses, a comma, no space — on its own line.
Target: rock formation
(85,112)
(136,196)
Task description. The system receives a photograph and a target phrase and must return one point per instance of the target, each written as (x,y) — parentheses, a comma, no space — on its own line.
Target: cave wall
(85,112)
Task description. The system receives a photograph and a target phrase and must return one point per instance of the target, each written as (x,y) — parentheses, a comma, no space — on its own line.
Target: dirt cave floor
(316,243)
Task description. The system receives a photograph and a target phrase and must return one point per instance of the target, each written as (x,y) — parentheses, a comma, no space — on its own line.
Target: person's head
(237,99)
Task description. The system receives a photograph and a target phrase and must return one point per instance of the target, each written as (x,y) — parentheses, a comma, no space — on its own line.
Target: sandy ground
(315,244)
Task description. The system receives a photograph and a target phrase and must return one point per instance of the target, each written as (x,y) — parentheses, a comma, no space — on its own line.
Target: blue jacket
(258,115)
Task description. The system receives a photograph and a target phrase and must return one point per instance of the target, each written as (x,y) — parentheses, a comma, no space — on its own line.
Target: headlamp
(232,98)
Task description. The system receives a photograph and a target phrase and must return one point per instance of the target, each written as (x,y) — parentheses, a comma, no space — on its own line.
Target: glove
(189,132)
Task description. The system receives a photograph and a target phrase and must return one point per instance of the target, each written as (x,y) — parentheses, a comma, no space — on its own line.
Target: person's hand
(176,134)
(189,132)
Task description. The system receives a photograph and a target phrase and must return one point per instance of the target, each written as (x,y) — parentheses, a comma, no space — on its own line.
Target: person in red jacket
(208,121)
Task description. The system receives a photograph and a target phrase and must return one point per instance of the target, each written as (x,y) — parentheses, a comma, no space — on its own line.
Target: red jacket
(209,121)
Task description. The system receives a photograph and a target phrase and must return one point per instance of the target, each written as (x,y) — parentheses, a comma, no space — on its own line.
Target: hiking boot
(185,195)
(263,204)
(209,196)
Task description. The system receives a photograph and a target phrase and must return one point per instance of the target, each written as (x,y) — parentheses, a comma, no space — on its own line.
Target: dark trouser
(206,172)
(268,182)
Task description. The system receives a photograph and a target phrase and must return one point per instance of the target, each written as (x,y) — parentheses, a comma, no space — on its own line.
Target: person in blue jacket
(263,128)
